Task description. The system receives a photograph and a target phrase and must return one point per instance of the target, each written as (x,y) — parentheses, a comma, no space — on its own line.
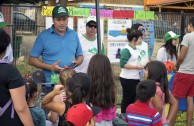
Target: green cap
(2,22)
(60,11)
(170,35)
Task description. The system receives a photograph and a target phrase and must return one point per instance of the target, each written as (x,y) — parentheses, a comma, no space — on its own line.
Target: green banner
(144,15)
(85,12)
(139,15)
(150,14)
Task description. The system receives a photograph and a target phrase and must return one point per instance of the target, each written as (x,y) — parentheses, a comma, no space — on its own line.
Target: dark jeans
(129,92)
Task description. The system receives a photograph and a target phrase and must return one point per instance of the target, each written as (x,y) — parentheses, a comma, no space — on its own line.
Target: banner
(47,11)
(123,13)
(150,15)
(85,12)
(140,15)
(103,13)
(144,15)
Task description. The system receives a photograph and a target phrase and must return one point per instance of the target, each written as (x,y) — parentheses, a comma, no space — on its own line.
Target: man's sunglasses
(92,26)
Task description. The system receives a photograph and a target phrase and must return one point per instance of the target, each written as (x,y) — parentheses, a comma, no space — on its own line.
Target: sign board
(117,29)
(114,49)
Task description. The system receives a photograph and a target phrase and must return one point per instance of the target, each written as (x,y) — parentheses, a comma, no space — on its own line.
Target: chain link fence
(25,22)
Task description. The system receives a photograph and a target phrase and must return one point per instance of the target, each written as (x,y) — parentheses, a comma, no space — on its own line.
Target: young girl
(38,114)
(156,70)
(64,77)
(130,68)
(77,90)
(103,89)
(168,51)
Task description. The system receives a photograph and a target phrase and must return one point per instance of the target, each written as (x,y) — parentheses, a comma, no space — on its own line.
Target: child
(77,91)
(140,113)
(168,51)
(130,68)
(103,89)
(156,70)
(38,114)
(81,115)
(64,77)
(183,85)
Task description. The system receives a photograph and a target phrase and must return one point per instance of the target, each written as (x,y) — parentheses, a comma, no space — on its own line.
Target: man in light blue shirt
(59,46)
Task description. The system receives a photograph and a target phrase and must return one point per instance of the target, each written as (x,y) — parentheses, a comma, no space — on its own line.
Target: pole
(182,29)
(98,26)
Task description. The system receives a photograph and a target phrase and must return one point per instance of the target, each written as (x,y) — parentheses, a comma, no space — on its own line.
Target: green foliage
(25,68)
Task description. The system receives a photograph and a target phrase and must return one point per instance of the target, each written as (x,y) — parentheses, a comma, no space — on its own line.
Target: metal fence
(170,21)
(25,22)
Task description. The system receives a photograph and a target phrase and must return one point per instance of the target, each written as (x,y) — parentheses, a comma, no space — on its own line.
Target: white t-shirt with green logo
(144,52)
(89,48)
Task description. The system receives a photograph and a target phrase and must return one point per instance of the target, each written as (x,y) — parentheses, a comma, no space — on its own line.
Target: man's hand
(55,67)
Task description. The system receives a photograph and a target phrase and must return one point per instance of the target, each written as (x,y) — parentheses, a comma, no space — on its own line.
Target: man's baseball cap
(59,11)
(2,22)
(80,114)
(170,35)
(91,19)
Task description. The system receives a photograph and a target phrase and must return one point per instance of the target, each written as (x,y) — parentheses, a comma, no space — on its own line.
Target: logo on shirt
(93,50)
(139,58)
(142,53)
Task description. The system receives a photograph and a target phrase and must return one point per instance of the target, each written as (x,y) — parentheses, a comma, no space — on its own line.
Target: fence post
(182,25)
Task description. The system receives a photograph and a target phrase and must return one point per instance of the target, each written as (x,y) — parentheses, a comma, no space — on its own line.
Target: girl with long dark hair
(156,70)
(103,89)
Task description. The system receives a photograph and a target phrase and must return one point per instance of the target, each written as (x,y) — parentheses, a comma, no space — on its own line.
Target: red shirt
(141,114)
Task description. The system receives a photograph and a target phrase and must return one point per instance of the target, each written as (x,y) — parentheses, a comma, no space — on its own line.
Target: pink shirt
(162,95)
(106,114)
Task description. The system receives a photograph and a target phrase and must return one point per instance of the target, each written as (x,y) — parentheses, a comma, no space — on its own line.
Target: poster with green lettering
(85,12)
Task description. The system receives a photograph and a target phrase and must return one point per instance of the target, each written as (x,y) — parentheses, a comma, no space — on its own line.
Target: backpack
(119,120)
(4,108)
